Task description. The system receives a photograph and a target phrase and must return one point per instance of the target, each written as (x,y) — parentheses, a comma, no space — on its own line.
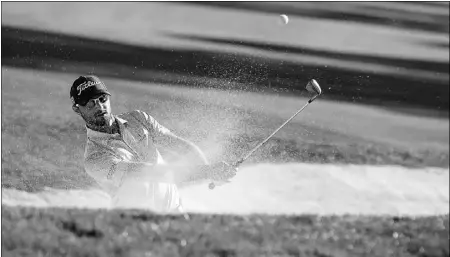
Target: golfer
(122,154)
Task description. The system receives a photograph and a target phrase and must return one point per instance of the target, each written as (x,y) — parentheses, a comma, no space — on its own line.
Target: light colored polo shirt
(135,143)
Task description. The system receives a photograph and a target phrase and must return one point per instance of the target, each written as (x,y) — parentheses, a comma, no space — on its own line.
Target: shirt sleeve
(104,168)
(153,125)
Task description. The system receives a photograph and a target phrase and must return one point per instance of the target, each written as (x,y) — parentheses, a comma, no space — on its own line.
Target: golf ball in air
(284,18)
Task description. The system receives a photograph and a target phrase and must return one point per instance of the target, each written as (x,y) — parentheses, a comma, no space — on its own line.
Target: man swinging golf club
(121,152)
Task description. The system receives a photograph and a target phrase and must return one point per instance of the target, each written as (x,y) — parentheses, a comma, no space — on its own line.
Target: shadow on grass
(434,66)
(439,45)
(52,51)
(382,13)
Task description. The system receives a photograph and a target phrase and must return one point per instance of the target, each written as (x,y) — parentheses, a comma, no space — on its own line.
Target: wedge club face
(314,87)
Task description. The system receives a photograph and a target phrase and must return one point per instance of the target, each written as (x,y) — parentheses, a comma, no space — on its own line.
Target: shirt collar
(120,120)
(92,133)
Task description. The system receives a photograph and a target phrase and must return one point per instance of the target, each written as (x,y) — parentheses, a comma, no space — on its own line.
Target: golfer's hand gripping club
(313,87)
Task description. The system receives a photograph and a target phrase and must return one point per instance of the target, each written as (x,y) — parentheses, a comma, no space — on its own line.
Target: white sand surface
(291,189)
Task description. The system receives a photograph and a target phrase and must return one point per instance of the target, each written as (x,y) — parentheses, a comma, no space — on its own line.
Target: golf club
(312,87)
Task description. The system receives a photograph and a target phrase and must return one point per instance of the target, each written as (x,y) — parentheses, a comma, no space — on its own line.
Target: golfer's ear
(76,109)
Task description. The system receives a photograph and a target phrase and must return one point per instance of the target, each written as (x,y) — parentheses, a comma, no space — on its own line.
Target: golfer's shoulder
(137,118)
(135,114)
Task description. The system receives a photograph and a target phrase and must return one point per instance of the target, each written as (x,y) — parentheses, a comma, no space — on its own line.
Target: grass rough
(80,232)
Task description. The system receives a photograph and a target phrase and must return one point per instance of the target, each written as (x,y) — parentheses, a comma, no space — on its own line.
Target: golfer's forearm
(198,152)
(164,173)
(187,149)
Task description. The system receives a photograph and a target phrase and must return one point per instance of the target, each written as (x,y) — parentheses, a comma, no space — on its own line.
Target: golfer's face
(96,111)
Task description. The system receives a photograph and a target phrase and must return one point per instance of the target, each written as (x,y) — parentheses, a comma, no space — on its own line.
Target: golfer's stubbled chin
(103,120)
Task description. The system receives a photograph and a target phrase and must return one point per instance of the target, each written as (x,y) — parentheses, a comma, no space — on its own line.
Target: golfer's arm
(182,146)
(167,139)
(112,171)
(164,173)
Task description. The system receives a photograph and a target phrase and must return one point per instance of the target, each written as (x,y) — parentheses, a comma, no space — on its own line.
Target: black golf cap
(85,88)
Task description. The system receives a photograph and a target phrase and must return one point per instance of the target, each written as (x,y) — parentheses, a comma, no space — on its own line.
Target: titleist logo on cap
(86,84)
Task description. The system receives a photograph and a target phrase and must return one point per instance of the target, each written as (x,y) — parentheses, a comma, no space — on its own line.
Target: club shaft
(271,135)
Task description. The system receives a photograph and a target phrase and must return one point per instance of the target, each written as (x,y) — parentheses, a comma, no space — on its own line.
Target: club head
(313,87)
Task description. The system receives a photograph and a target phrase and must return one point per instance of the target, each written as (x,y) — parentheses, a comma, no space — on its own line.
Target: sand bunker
(291,189)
